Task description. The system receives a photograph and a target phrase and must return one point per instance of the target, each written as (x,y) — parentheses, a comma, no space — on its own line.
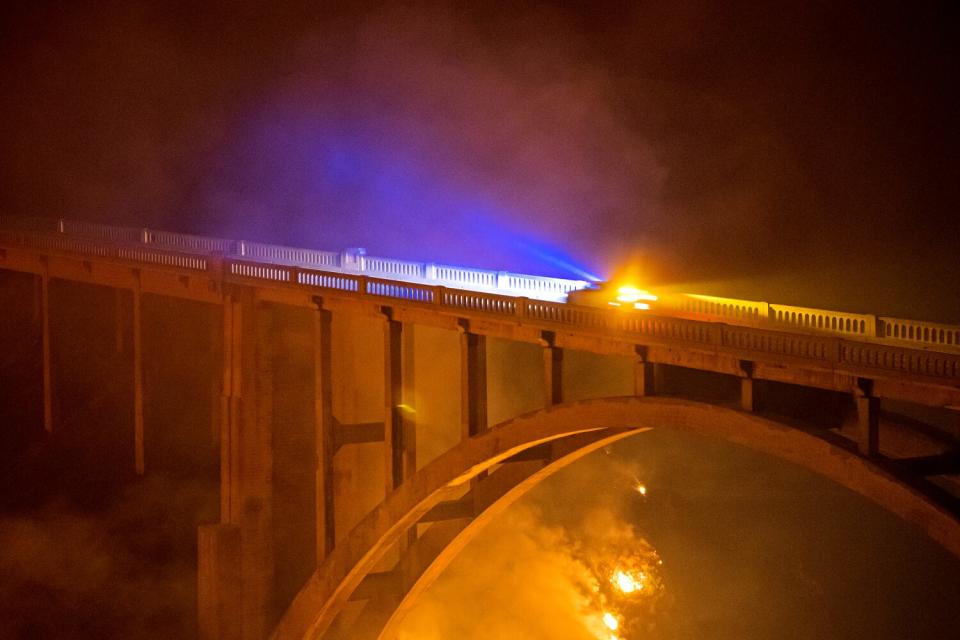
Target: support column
(138,454)
(118,324)
(747,397)
(46,348)
(230,411)
(256,451)
(868,419)
(246,454)
(644,374)
(217,393)
(324,425)
(38,298)
(473,383)
(219,578)
(398,464)
(552,369)
(408,397)
(218,582)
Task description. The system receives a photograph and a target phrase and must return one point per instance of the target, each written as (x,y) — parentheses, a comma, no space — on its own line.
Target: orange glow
(632,295)
(642,489)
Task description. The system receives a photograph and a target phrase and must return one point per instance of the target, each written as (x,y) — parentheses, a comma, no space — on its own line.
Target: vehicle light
(633,295)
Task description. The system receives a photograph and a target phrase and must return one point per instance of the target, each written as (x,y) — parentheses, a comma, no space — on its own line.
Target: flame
(610,621)
(625,590)
(627,583)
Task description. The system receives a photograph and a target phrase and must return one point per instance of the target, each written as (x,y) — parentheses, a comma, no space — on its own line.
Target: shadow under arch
(605,420)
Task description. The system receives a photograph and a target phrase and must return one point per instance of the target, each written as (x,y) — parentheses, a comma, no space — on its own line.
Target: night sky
(803,153)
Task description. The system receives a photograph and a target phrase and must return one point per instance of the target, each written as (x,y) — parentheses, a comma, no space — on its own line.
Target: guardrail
(906,345)
(820,319)
(350,261)
(915,332)
(912,333)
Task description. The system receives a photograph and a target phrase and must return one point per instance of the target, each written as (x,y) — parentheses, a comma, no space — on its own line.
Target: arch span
(331,585)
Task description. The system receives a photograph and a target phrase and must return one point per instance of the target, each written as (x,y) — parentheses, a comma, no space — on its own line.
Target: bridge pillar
(473,382)
(43,285)
(118,325)
(868,418)
(644,374)
(399,448)
(747,391)
(246,470)
(138,455)
(324,429)
(218,582)
(553,370)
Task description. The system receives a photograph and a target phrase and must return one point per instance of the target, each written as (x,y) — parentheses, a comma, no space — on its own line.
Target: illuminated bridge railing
(288,255)
(516,284)
(915,334)
(188,242)
(166,258)
(894,345)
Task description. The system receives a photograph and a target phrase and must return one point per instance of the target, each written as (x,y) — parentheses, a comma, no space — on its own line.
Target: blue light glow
(296,182)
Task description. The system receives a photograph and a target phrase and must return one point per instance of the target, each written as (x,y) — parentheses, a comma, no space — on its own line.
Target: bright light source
(610,620)
(626,583)
(631,295)
(641,488)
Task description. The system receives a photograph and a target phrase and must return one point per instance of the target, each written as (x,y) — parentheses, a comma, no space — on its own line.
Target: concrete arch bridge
(348,417)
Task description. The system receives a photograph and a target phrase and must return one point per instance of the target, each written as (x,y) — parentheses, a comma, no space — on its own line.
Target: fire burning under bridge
(368,416)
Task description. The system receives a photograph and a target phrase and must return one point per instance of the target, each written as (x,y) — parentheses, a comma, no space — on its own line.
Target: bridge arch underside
(537,445)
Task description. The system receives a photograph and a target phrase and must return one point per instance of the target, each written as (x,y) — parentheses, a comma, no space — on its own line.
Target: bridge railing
(895,358)
(102,231)
(461,276)
(390,267)
(556,288)
(95,247)
(260,270)
(822,320)
(716,308)
(466,277)
(916,332)
(167,258)
(288,255)
(328,280)
(188,242)
(399,290)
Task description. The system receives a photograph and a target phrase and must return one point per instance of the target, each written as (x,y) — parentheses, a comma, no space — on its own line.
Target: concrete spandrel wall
(357,362)
(515,379)
(434,404)
(590,375)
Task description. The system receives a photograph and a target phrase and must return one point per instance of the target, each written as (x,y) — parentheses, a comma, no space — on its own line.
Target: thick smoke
(125,571)
(531,579)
